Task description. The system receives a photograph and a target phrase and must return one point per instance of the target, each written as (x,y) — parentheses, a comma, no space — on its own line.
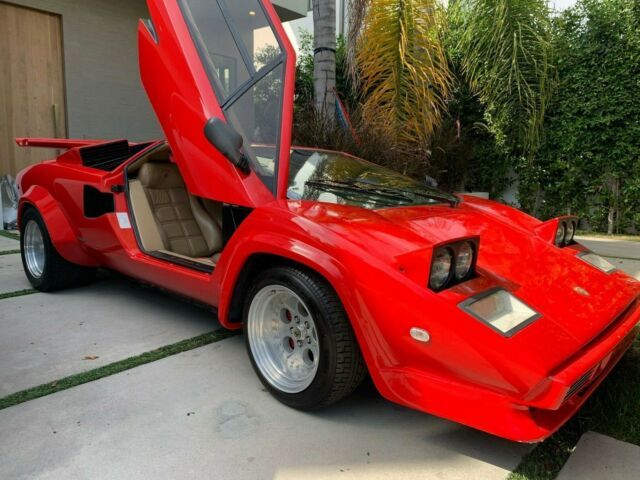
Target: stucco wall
(105,98)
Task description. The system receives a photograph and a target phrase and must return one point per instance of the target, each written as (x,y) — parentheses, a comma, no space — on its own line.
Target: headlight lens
(501,311)
(560,234)
(464,260)
(571,231)
(440,268)
(597,261)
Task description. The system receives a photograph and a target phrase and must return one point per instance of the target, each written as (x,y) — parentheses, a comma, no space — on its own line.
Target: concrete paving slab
(204,414)
(47,336)
(611,247)
(598,457)
(12,277)
(7,244)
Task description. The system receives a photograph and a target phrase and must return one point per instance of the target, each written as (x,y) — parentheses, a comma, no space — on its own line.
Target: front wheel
(299,339)
(46,270)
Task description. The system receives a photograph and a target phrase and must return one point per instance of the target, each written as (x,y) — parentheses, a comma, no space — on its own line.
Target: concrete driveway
(199,414)
(204,414)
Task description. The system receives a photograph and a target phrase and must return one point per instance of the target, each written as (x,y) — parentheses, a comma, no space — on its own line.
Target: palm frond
(357,13)
(403,71)
(505,50)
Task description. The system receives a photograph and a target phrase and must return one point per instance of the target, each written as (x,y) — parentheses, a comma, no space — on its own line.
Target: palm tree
(401,67)
(324,58)
(504,49)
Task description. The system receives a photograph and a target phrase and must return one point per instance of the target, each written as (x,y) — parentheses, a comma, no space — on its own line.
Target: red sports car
(335,267)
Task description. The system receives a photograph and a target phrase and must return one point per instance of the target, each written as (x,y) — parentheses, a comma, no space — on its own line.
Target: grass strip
(11,235)
(113,368)
(612,410)
(19,293)
(9,252)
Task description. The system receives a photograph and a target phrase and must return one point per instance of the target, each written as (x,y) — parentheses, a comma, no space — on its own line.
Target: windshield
(334,177)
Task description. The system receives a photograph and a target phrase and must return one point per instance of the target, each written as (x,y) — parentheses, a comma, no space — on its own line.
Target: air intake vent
(580,383)
(106,156)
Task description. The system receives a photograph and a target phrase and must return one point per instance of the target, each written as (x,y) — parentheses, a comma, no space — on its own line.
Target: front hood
(575,297)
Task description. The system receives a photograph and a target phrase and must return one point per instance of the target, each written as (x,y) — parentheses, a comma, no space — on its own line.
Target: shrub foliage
(589,163)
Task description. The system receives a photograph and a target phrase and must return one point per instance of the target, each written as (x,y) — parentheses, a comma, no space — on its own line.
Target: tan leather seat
(185,226)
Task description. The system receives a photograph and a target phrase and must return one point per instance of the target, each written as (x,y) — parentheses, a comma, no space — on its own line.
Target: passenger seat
(185,226)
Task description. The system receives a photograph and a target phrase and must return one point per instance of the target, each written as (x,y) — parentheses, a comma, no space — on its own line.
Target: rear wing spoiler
(57,143)
(104,155)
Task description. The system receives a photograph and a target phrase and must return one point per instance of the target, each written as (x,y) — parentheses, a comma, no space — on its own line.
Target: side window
(257,34)
(218,48)
(245,63)
(257,112)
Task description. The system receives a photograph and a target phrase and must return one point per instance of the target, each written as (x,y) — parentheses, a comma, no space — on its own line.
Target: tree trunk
(610,218)
(613,205)
(324,58)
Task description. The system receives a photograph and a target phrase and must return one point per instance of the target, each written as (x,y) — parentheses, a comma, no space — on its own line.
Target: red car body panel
(521,387)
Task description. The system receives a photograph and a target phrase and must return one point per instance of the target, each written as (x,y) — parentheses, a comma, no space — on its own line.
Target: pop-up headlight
(500,310)
(566,230)
(453,263)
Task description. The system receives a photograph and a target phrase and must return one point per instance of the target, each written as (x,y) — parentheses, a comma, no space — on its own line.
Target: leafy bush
(589,163)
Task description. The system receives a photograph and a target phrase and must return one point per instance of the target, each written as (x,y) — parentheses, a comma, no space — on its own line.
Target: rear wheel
(299,339)
(46,270)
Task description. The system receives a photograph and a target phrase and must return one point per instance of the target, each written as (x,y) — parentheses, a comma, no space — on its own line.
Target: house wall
(104,96)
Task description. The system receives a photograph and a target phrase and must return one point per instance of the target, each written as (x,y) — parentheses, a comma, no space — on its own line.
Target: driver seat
(184,225)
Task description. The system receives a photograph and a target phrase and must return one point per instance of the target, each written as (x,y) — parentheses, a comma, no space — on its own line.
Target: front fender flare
(279,246)
(314,258)
(63,236)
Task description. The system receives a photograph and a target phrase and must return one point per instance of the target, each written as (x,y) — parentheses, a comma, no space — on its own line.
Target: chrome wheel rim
(34,249)
(283,339)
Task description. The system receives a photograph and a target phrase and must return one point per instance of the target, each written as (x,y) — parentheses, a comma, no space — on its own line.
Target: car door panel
(195,65)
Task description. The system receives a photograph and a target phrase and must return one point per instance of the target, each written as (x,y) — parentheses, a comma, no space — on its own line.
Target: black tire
(57,272)
(341,367)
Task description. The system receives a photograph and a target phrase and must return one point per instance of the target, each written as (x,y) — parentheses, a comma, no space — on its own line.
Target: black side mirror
(228,141)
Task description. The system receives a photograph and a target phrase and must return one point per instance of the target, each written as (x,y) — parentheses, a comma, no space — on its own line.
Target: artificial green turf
(613,410)
(19,293)
(113,368)
(9,252)
(13,236)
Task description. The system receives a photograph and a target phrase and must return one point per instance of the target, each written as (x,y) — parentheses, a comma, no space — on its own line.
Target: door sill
(182,261)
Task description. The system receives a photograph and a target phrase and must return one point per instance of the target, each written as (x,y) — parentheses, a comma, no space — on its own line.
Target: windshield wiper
(443,197)
(349,186)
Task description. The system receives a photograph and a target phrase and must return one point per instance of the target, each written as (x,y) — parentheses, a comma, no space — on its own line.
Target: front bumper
(547,406)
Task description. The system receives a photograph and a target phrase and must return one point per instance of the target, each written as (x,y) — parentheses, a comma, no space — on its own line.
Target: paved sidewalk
(8,244)
(12,277)
(625,255)
(598,457)
(204,414)
(610,247)
(47,336)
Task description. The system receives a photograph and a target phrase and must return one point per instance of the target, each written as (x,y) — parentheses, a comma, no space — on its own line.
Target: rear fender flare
(63,236)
